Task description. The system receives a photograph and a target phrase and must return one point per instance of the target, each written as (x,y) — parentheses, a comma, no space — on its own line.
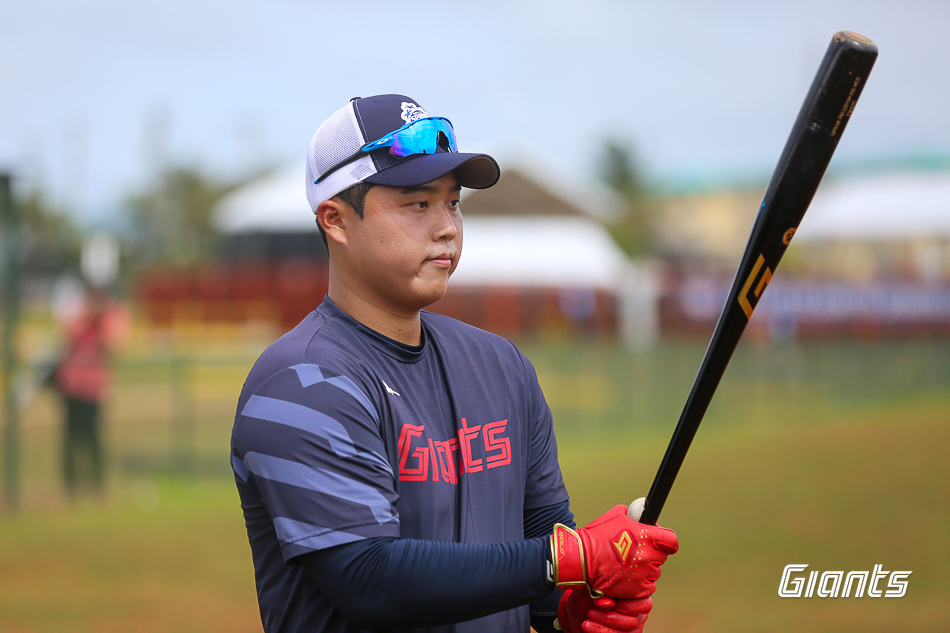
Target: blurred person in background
(94,326)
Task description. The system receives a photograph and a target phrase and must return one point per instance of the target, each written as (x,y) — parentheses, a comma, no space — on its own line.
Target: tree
(52,241)
(633,230)
(172,221)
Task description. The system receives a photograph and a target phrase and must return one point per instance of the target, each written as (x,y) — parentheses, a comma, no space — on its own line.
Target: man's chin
(430,294)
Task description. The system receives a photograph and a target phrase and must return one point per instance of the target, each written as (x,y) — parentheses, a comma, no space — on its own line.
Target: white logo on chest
(390,390)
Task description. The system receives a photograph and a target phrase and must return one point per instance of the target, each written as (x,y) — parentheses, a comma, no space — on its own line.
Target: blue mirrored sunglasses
(422,136)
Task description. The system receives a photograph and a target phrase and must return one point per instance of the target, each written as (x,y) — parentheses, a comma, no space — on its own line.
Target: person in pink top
(82,378)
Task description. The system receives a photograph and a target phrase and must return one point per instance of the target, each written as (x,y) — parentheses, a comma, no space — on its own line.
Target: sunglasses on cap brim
(422,136)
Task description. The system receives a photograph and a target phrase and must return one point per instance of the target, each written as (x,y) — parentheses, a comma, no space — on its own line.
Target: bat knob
(635,509)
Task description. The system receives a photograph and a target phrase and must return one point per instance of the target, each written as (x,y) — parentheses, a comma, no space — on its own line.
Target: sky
(98,97)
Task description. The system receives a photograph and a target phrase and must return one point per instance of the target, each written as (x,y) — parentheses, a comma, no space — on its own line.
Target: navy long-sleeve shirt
(353,447)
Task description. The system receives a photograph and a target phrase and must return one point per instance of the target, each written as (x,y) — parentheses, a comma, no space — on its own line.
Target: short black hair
(354,196)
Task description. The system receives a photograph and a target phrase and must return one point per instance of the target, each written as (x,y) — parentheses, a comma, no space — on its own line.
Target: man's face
(401,254)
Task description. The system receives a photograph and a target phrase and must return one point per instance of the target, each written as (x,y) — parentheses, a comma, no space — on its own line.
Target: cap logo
(411,112)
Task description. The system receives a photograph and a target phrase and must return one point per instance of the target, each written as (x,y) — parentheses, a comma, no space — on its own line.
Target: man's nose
(447,224)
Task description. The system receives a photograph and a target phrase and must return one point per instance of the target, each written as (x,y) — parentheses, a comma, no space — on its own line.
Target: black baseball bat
(814,137)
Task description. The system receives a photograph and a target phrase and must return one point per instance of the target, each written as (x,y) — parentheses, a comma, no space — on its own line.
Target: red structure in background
(524,312)
(284,292)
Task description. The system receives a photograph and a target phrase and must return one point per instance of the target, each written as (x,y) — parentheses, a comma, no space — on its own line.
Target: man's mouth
(443,260)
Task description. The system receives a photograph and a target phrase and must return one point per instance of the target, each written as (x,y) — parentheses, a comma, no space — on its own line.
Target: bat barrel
(823,116)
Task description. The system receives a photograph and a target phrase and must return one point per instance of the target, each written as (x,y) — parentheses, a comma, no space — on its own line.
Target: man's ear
(330,216)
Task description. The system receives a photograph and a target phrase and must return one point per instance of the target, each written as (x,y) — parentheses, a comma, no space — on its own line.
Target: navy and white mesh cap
(364,120)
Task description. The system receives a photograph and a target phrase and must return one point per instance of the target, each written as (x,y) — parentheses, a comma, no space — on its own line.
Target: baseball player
(398,469)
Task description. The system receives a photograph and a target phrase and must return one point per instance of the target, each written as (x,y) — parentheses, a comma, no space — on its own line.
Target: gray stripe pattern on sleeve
(311,421)
(239,468)
(322,481)
(310,374)
(310,536)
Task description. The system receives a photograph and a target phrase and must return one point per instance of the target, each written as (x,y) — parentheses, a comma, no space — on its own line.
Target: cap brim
(474,171)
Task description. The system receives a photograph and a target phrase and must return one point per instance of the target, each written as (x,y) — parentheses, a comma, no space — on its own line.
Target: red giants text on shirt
(479,447)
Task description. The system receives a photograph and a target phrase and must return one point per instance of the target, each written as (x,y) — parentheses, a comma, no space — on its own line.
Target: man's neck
(405,328)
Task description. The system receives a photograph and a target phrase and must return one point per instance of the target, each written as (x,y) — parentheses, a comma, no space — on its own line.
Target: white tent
(555,252)
(898,206)
(275,202)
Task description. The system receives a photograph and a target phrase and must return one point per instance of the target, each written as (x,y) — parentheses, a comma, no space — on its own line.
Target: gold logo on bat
(748,301)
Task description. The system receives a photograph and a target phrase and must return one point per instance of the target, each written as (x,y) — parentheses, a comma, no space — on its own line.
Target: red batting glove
(612,556)
(623,615)
(579,613)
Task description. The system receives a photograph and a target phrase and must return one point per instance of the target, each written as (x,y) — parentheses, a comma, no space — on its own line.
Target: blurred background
(155,238)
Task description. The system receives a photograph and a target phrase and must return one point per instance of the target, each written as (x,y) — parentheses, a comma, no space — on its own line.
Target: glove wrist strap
(567,555)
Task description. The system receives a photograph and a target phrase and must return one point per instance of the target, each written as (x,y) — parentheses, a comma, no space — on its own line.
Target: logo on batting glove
(623,545)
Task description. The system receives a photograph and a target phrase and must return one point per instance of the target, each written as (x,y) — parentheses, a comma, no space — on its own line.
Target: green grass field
(829,454)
